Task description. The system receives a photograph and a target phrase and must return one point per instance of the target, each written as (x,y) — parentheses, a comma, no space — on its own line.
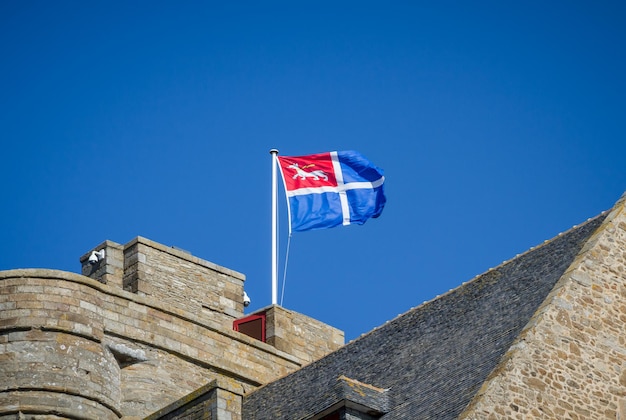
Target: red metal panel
(252,326)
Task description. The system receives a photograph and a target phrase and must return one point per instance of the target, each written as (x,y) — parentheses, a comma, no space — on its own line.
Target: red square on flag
(312,171)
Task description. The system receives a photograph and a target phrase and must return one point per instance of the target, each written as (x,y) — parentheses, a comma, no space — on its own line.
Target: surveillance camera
(96,256)
(93,258)
(246,299)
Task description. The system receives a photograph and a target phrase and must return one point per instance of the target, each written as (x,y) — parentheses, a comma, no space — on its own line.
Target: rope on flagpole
(282,293)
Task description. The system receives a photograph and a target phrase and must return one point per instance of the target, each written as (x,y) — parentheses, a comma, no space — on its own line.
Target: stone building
(143,326)
(149,332)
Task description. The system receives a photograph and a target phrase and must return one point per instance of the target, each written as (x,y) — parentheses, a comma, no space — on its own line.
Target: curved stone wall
(52,359)
(74,347)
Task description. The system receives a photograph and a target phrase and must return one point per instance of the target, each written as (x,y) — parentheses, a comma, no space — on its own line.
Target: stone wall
(143,327)
(172,276)
(70,341)
(570,360)
(215,401)
(51,356)
(109,271)
(297,334)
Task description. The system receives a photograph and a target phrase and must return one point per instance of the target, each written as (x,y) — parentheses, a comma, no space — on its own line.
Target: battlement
(143,326)
(170,275)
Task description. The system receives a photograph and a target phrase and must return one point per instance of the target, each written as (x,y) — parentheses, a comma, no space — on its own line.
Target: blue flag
(331,189)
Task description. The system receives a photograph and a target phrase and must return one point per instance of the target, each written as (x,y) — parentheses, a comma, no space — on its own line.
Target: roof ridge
(478,276)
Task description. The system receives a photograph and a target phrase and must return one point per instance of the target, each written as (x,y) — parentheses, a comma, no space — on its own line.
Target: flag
(331,189)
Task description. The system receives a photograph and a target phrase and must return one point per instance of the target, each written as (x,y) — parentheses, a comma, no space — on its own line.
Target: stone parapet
(109,270)
(299,335)
(172,276)
(182,280)
(83,338)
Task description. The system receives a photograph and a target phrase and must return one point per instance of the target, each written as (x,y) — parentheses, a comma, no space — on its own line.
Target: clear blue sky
(498,125)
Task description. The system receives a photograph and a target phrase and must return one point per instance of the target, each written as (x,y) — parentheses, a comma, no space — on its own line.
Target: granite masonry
(152,332)
(570,360)
(142,328)
(541,336)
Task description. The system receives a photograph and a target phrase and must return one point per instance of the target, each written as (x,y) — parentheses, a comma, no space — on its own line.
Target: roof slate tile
(434,358)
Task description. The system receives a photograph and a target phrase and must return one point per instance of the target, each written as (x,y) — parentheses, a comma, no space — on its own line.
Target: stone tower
(142,327)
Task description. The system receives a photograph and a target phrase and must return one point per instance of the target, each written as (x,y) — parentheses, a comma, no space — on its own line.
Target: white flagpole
(274,153)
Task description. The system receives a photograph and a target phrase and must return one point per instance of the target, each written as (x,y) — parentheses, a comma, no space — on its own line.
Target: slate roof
(433,359)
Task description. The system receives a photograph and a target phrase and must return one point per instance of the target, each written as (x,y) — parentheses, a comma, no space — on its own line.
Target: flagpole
(274,153)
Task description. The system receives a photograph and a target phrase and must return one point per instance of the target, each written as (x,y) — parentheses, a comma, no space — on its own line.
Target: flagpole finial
(274,151)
